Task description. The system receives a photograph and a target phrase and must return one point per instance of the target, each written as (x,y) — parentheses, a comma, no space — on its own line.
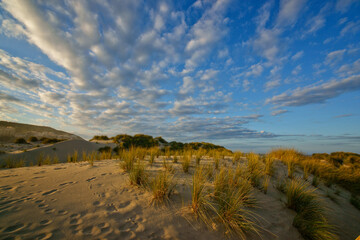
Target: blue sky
(249,75)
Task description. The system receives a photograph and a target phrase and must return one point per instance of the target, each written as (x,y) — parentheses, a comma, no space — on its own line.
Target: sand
(78,201)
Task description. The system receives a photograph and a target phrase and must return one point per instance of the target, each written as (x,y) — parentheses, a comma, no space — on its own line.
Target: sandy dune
(61,150)
(77,201)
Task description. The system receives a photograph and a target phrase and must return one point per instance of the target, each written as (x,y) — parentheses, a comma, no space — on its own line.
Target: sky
(248,75)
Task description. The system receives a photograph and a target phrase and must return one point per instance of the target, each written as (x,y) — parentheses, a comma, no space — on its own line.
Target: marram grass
(310,219)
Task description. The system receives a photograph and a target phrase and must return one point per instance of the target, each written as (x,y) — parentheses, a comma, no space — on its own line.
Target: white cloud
(188,86)
(316,94)
(278,112)
(334,56)
(255,70)
(289,12)
(272,84)
(297,56)
(344,5)
(49,40)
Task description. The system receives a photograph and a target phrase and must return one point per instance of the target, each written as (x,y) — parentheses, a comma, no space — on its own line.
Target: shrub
(20,141)
(162,186)
(138,175)
(104,149)
(33,139)
(50,140)
(102,137)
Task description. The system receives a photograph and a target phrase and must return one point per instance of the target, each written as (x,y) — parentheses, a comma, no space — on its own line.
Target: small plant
(152,158)
(217,162)
(40,159)
(47,160)
(56,159)
(175,159)
(20,141)
(269,168)
(266,184)
(201,204)
(162,186)
(232,197)
(310,220)
(84,156)
(236,157)
(12,163)
(138,175)
(315,181)
(198,157)
(128,159)
(291,169)
(186,163)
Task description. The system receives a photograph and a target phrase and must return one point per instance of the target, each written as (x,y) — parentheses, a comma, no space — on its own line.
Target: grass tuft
(310,220)
(162,186)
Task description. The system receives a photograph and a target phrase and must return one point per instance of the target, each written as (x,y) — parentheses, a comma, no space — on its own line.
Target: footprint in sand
(49,210)
(105,227)
(14,228)
(75,221)
(75,215)
(62,212)
(43,236)
(111,208)
(98,203)
(66,183)
(43,205)
(49,192)
(91,230)
(45,222)
(91,179)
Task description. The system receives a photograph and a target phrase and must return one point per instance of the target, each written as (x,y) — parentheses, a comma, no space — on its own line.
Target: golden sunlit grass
(310,220)
(162,186)
(185,163)
(138,175)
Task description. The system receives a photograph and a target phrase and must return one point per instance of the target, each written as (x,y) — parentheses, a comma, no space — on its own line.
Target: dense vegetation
(102,137)
(126,141)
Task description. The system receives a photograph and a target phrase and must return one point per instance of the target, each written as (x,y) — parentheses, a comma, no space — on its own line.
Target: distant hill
(9,131)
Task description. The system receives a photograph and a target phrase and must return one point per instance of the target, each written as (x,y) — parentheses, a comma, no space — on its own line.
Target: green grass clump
(128,159)
(138,175)
(232,197)
(310,220)
(162,186)
(201,204)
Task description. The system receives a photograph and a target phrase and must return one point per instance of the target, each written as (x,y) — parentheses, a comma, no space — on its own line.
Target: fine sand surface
(61,150)
(79,201)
